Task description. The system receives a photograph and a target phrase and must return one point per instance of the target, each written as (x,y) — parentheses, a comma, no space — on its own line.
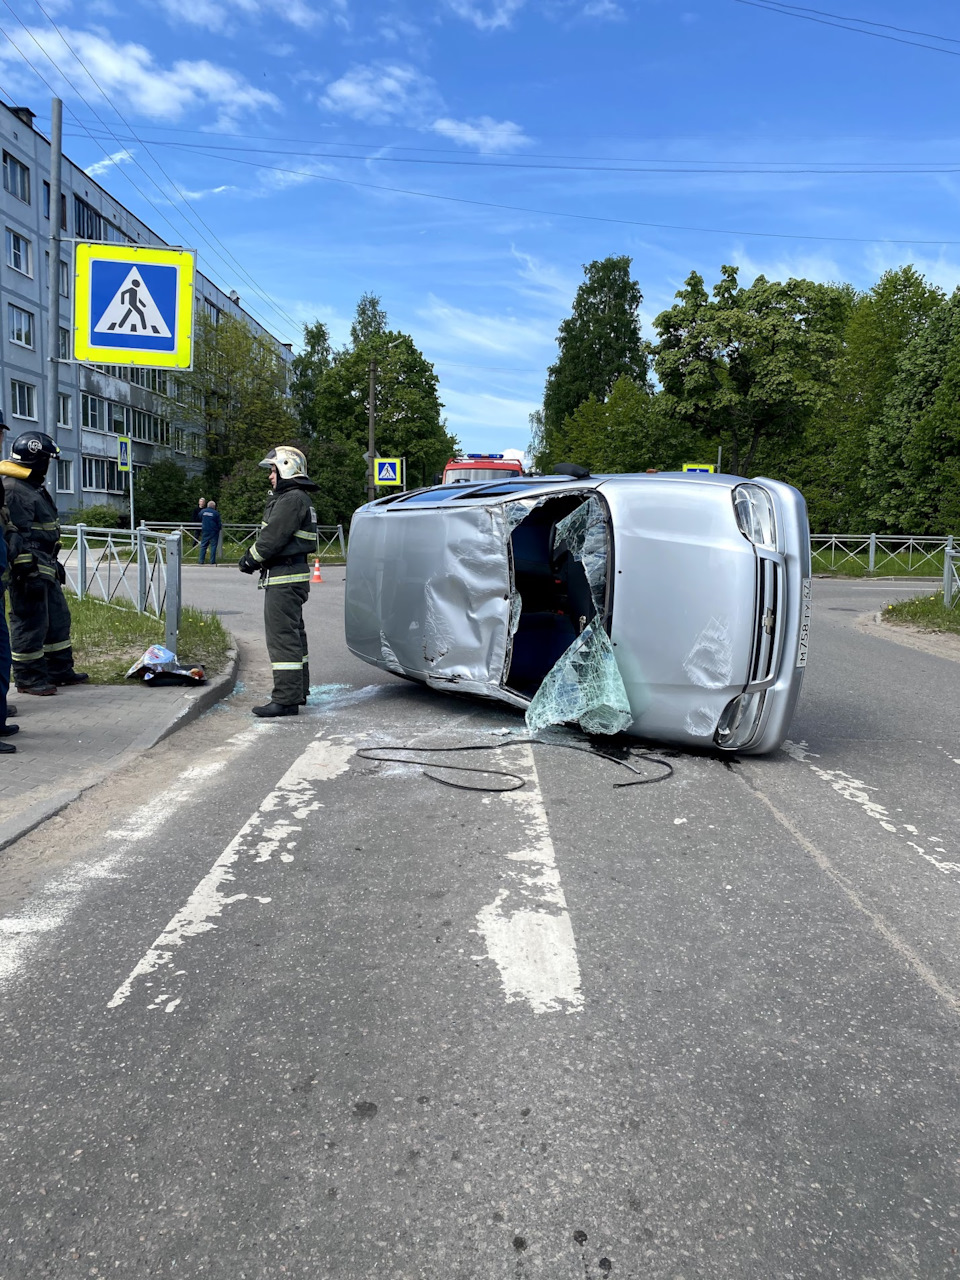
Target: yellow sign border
(388,484)
(128,441)
(702,467)
(85,254)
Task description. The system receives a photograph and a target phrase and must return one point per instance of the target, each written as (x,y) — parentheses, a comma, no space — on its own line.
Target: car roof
(537,486)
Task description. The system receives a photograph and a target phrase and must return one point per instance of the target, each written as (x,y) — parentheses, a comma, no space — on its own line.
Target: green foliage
(748,368)
(928,612)
(243,494)
(370,321)
(599,343)
(914,460)
(238,392)
(309,369)
(625,432)
(341,474)
(100,517)
(161,492)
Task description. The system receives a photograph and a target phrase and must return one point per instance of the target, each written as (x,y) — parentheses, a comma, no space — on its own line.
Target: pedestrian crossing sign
(704,468)
(386,471)
(133,306)
(123,453)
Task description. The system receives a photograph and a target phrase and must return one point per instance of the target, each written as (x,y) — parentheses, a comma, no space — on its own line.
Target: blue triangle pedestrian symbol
(387,471)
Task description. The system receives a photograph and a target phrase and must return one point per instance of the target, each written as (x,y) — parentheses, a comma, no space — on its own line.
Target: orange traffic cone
(316,571)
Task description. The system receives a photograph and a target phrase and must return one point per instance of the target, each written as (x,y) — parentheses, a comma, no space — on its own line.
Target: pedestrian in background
(210,527)
(196,519)
(39,616)
(6,529)
(287,535)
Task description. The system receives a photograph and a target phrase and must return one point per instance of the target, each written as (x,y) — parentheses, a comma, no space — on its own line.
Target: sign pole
(53,316)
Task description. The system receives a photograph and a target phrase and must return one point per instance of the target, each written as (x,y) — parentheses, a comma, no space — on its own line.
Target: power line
(523,166)
(814,165)
(583,217)
(260,292)
(867,22)
(771,7)
(101,121)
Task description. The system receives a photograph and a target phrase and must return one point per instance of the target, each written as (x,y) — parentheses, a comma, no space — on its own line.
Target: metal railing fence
(951,578)
(880,553)
(119,567)
(236,538)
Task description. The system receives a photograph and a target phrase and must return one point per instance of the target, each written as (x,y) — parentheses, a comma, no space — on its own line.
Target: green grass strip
(925,611)
(108,639)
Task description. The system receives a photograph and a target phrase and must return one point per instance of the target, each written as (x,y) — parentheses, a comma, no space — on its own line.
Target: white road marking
(273,828)
(527,928)
(890,935)
(856,790)
(52,906)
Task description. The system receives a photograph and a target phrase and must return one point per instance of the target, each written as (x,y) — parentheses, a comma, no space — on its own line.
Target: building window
(179,440)
(63,206)
(91,413)
(92,225)
(16,177)
(65,411)
(20,327)
(18,253)
(64,474)
(117,418)
(210,310)
(23,400)
(101,475)
(64,279)
(64,347)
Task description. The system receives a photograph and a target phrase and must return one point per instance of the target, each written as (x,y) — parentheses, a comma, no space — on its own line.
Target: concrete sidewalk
(74,741)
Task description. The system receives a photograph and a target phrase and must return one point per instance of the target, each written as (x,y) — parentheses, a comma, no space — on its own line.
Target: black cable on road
(515,780)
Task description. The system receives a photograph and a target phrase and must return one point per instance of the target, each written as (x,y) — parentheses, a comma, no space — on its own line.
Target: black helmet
(33,447)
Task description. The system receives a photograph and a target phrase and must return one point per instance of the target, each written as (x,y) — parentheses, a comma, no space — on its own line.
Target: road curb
(190,708)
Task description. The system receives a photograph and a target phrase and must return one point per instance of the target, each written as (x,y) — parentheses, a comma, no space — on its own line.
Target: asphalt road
(273,1009)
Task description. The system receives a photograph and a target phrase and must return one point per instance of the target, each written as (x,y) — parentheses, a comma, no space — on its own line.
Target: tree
(625,432)
(243,493)
(748,367)
(162,492)
(599,343)
(309,369)
(408,421)
(369,322)
(238,393)
(914,450)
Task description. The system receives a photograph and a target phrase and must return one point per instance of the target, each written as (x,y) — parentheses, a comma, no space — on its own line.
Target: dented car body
(671,606)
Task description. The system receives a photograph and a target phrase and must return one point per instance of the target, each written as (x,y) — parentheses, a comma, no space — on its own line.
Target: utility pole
(372,432)
(53,317)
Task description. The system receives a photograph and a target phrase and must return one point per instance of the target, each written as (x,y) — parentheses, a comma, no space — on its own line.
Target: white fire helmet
(289,462)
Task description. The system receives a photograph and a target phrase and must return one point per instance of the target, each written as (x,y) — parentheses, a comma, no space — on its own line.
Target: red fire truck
(481,466)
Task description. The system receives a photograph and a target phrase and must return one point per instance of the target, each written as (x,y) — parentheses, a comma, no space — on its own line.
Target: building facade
(95,403)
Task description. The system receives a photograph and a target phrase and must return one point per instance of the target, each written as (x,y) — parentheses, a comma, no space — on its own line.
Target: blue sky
(464,158)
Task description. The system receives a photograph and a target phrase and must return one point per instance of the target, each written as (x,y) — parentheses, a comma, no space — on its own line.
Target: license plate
(805,598)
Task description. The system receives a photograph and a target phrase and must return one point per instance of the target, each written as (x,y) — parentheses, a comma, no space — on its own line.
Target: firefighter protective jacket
(34,515)
(288,533)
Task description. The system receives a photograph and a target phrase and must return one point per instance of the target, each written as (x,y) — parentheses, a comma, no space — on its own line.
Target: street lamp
(372,424)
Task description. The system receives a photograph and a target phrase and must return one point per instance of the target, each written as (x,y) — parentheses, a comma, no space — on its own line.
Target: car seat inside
(555,596)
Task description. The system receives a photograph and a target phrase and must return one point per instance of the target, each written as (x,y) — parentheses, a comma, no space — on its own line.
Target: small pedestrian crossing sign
(387,471)
(123,453)
(134,306)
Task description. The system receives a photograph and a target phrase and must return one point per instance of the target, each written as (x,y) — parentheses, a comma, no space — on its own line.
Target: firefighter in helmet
(39,616)
(287,535)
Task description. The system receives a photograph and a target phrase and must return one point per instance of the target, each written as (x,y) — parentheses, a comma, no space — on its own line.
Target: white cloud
(484,133)
(220,15)
(453,330)
(487,17)
(210,191)
(128,73)
(382,92)
(102,166)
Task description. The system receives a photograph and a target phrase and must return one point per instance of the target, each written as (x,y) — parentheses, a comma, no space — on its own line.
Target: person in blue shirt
(210,526)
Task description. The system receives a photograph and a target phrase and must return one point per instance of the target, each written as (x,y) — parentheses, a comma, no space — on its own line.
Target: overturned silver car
(671,606)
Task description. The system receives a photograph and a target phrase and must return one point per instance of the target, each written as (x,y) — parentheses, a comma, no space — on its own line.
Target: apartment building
(95,403)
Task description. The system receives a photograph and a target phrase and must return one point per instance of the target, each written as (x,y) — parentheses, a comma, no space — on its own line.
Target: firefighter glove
(247,564)
(24,568)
